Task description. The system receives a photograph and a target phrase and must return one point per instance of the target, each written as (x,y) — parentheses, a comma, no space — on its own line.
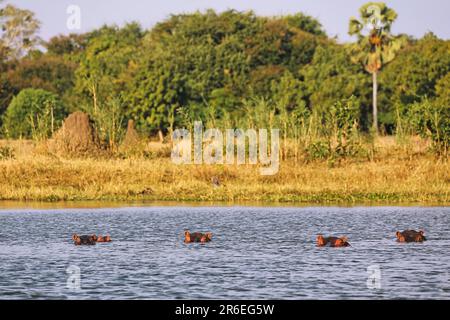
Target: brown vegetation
(394,174)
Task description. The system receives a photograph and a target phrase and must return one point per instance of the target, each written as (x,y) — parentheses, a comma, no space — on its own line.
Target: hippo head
(187,236)
(206,237)
(76,239)
(321,241)
(342,242)
(400,237)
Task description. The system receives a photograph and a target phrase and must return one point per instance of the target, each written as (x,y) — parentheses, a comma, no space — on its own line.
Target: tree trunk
(375,108)
(94,96)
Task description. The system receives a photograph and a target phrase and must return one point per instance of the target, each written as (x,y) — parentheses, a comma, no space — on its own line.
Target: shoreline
(6,205)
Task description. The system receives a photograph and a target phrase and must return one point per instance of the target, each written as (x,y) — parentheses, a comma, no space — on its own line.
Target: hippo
(332,241)
(197,237)
(101,238)
(84,240)
(410,236)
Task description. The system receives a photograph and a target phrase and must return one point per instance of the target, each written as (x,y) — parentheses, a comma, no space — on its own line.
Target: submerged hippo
(410,236)
(332,241)
(197,237)
(104,238)
(84,240)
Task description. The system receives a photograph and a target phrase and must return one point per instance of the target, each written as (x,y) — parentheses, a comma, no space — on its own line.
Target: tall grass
(391,177)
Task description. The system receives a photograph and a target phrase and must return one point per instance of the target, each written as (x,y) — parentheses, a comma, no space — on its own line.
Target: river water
(256,253)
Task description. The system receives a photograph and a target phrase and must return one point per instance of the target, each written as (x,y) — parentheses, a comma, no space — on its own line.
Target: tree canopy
(195,65)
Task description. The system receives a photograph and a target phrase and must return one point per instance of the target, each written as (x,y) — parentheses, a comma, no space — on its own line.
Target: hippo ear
(398,234)
(344,239)
(421,232)
(74,237)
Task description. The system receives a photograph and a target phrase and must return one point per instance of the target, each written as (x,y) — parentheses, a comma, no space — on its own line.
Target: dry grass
(394,175)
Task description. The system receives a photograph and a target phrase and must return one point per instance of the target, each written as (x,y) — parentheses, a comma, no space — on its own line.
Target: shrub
(431,119)
(33,113)
(339,133)
(319,150)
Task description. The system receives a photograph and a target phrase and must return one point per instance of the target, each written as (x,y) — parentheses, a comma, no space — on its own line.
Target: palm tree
(376,46)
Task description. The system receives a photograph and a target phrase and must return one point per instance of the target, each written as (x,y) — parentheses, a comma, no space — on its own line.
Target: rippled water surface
(256,253)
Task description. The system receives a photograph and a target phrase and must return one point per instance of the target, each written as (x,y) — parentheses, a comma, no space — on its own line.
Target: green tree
(18,30)
(187,60)
(67,44)
(197,61)
(106,57)
(43,71)
(376,47)
(39,71)
(331,76)
(5,86)
(104,64)
(305,23)
(416,70)
(443,90)
(33,113)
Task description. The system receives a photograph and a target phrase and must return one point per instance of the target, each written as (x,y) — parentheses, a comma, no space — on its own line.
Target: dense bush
(339,135)
(196,60)
(415,73)
(33,113)
(229,69)
(431,119)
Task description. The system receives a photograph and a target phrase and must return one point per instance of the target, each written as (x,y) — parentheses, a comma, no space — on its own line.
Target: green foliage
(230,69)
(109,53)
(378,47)
(70,45)
(319,149)
(343,117)
(416,70)
(421,69)
(37,70)
(50,73)
(431,119)
(339,134)
(33,113)
(305,23)
(217,58)
(288,92)
(109,121)
(443,89)
(331,77)
(18,30)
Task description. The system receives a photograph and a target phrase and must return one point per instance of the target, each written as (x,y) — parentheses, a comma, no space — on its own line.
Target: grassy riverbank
(394,175)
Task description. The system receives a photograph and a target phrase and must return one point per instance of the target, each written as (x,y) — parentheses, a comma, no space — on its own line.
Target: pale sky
(416,17)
